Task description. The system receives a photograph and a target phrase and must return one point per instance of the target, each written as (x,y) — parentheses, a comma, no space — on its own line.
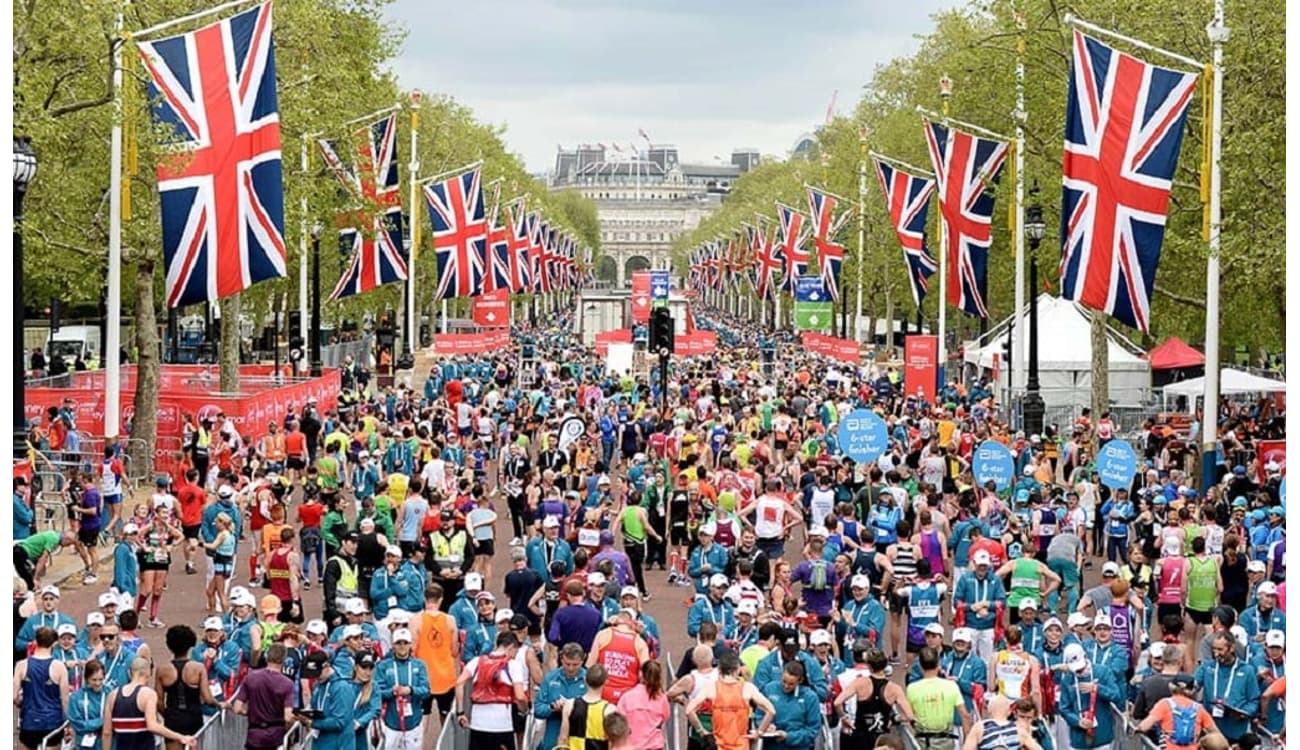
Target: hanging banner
(920,366)
(695,344)
(844,350)
(492,309)
(813,309)
(471,343)
(616,336)
(659,283)
(640,296)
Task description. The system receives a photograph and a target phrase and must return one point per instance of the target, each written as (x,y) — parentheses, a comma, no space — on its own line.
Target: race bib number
(589,537)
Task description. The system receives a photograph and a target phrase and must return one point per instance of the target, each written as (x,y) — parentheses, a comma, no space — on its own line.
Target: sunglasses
(108,636)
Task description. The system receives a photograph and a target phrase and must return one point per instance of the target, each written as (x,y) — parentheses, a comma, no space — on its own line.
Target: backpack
(817,576)
(485,688)
(1184,723)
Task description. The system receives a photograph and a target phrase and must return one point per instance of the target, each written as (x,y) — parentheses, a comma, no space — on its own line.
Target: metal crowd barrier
(222,731)
(55,739)
(299,737)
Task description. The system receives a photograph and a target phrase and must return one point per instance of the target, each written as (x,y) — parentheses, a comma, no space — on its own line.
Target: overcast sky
(705,75)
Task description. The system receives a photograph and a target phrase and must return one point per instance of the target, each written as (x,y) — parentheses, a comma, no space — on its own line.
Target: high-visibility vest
(449,552)
(349,584)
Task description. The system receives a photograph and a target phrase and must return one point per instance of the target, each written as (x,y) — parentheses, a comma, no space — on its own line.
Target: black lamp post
(314,325)
(24,173)
(1032,407)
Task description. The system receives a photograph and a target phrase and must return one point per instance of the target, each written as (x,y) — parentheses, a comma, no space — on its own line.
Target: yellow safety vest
(449,552)
(349,584)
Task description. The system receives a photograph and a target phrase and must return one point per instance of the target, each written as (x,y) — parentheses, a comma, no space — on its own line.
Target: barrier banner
(921,365)
(641,296)
(471,343)
(616,336)
(695,344)
(492,310)
(1270,452)
(844,350)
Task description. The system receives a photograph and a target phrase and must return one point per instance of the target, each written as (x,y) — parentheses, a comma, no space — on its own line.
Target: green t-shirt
(752,655)
(933,701)
(328,469)
(39,543)
(1202,584)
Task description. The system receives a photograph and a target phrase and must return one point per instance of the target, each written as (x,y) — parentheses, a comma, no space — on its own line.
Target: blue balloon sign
(863,436)
(1117,462)
(993,463)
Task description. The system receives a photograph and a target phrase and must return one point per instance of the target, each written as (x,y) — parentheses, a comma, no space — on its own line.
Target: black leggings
(636,555)
(518,515)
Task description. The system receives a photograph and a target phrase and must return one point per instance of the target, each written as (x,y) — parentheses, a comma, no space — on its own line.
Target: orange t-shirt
(295,444)
(1163,713)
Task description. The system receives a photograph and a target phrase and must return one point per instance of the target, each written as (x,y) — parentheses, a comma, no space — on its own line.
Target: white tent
(1230,382)
(1065,356)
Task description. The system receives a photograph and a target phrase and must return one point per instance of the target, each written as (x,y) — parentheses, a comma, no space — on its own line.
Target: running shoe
(156,623)
(89,579)
(515,542)
(190,569)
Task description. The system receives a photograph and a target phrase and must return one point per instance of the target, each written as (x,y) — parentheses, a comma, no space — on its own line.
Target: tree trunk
(230,340)
(1100,367)
(144,425)
(889,323)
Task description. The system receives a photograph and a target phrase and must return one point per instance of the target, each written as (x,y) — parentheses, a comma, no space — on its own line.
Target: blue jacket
(336,699)
(479,640)
(418,578)
(884,520)
(117,670)
(387,591)
(1250,620)
(716,557)
(208,529)
(721,613)
(868,618)
(967,671)
(344,663)
(970,589)
(368,628)
(463,611)
(364,714)
(126,569)
(86,715)
(23,518)
(1072,703)
(1236,687)
(769,670)
(1266,669)
(39,620)
(1112,656)
(798,714)
(392,673)
(225,665)
(537,556)
(556,686)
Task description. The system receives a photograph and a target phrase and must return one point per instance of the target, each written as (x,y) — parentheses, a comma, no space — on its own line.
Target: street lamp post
(24,173)
(1033,408)
(314,328)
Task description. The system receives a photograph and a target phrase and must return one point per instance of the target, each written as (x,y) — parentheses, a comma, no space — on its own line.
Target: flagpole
(113,345)
(1017,348)
(1218,32)
(862,229)
(414,169)
(945,93)
(303,157)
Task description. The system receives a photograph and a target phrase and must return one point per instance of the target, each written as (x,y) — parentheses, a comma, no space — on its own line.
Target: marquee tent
(1065,357)
(1174,361)
(1230,382)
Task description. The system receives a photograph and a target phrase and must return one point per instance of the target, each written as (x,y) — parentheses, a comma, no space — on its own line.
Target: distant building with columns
(645,200)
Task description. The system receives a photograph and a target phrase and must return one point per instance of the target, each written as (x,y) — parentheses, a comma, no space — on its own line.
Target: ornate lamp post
(314,327)
(24,173)
(1033,408)
(945,92)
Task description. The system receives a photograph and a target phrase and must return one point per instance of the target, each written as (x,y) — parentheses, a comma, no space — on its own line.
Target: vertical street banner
(921,366)
(492,309)
(659,283)
(813,309)
(641,296)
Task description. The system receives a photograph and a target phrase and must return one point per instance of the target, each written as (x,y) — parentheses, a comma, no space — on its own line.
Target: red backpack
(487,687)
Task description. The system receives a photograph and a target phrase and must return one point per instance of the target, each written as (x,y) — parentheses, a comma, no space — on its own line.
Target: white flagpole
(414,169)
(1017,331)
(303,362)
(862,230)
(111,356)
(1218,32)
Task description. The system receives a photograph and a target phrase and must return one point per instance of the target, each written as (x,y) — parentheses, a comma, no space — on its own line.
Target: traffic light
(55,314)
(661,330)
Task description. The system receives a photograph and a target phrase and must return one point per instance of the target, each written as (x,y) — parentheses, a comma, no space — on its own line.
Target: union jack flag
(517,246)
(966,167)
(825,227)
(907,197)
(793,235)
(771,262)
(222,196)
(1124,125)
(536,248)
(460,231)
(496,273)
(372,236)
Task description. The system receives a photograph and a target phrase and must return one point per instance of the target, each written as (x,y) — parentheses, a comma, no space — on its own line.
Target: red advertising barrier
(921,365)
(616,336)
(834,347)
(640,296)
(188,389)
(492,310)
(471,343)
(695,344)
(1270,451)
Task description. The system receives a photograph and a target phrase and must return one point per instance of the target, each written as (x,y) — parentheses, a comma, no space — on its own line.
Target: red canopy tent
(1174,354)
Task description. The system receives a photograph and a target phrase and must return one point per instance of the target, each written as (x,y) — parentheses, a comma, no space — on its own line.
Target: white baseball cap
(1075,658)
(352,631)
(398,617)
(66,628)
(708,528)
(820,637)
(1029,602)
(503,615)
(213,623)
(1267,588)
(130,529)
(819,531)
(631,591)
(1256,566)
(404,635)
(747,607)
(317,627)
(550,522)
(393,550)
(354,606)
(1101,621)
(50,590)
(473,581)
(367,523)
(95,618)
(1239,633)
(1275,638)
(1053,622)
(1110,568)
(596,579)
(859,581)
(934,628)
(1157,650)
(718,579)
(982,557)
(243,599)
(107,599)
(226,490)
(965,635)
(1077,619)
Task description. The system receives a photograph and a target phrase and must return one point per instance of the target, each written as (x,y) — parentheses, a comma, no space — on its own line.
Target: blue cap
(1239,470)
(1277,510)
(1257,515)
(1187,492)
(1239,502)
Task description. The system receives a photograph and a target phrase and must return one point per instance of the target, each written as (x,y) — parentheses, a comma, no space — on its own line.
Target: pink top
(646,717)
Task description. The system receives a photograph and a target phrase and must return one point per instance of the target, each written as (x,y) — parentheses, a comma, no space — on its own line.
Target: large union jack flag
(496,271)
(793,233)
(221,195)
(966,168)
(518,244)
(372,237)
(1123,130)
(771,263)
(460,232)
(907,197)
(825,227)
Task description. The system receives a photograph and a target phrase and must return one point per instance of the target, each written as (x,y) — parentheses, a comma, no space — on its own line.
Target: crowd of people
(826,600)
